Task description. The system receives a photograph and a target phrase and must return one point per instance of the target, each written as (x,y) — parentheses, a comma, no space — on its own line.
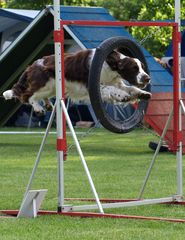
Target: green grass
(118,164)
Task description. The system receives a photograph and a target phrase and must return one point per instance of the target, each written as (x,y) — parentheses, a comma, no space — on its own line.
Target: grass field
(118,164)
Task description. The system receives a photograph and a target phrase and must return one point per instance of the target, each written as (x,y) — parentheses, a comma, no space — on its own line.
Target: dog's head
(130,69)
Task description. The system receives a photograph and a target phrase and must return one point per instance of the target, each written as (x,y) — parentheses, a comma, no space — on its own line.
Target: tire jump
(131,49)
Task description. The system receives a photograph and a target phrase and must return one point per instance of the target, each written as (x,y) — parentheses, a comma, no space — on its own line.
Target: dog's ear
(113,59)
(123,63)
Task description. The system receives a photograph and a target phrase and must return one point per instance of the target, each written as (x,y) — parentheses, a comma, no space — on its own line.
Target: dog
(122,79)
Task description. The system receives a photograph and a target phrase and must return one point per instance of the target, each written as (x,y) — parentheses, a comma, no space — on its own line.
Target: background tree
(156,39)
(159,38)
(39,4)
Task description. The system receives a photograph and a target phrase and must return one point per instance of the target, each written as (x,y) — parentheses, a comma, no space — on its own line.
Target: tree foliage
(39,4)
(157,39)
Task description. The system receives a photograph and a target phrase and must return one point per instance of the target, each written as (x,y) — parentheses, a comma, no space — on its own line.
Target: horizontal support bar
(124,204)
(22,133)
(28,132)
(119,23)
(103,200)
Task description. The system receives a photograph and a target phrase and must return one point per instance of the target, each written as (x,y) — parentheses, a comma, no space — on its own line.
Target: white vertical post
(179,151)
(59,120)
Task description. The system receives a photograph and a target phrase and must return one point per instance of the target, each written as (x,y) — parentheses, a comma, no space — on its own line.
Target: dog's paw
(126,99)
(48,105)
(39,110)
(145,95)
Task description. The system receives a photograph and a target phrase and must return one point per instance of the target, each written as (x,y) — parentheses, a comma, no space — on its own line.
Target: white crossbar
(124,204)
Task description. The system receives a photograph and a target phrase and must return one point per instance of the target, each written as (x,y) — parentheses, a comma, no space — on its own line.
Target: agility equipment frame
(177,122)
(62,116)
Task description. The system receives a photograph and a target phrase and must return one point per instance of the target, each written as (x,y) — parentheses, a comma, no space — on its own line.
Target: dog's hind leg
(35,104)
(43,93)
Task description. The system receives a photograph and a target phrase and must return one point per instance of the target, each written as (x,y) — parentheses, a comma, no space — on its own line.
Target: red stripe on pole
(61,144)
(58,36)
(63,95)
(175,40)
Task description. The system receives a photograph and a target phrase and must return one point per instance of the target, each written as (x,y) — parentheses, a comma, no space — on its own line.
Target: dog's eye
(143,66)
(136,68)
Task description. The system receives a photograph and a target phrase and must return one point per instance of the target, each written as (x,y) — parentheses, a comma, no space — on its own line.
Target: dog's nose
(146,78)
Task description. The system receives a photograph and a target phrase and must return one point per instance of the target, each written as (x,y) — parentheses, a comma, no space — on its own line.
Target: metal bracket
(67,208)
(177,198)
(31,203)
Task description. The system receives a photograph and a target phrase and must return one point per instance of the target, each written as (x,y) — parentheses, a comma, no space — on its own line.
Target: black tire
(163,148)
(129,48)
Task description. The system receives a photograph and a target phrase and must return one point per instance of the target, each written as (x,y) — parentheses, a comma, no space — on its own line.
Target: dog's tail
(18,88)
(8,94)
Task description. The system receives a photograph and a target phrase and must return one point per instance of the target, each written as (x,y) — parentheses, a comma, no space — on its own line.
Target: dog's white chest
(76,91)
(107,76)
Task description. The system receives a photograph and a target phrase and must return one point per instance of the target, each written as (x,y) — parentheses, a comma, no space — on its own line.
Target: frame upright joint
(179,37)
(177,198)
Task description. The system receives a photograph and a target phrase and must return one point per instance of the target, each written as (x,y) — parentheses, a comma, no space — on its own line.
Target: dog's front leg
(139,93)
(134,92)
(113,94)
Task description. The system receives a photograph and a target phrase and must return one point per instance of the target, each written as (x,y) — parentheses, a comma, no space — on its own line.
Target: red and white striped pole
(60,119)
(62,113)
(177,128)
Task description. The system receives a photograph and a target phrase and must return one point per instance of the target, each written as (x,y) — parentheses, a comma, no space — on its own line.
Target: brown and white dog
(38,80)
